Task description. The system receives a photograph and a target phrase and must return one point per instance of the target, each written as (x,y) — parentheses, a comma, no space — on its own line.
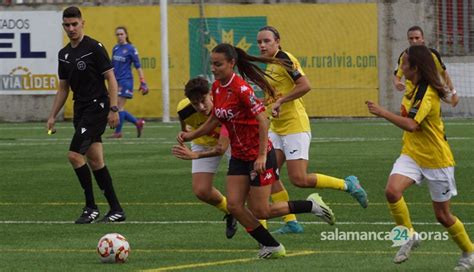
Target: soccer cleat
(290,227)
(88,216)
(356,191)
(115,135)
(321,209)
(140,124)
(267,252)
(231,225)
(112,217)
(404,251)
(465,263)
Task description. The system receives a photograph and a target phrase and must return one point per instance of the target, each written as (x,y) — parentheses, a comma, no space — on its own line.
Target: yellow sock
(283,196)
(323,181)
(460,236)
(400,213)
(222,206)
(263,222)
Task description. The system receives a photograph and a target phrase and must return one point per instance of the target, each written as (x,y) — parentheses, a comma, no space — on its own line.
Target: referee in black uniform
(84,66)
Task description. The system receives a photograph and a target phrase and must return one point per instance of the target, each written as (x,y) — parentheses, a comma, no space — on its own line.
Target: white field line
(200,222)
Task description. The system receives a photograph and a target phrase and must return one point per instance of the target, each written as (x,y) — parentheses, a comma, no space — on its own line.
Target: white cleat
(404,251)
(465,263)
(321,209)
(267,252)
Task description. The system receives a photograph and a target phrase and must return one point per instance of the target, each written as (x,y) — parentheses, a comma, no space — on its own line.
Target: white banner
(29,44)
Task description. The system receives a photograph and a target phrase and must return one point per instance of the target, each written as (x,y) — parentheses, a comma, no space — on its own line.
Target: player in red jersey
(252,167)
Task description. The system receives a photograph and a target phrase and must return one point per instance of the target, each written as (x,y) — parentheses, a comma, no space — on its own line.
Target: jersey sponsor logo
(224,113)
(81,65)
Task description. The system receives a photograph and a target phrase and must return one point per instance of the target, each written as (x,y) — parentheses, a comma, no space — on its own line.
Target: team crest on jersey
(124,51)
(81,65)
(243,88)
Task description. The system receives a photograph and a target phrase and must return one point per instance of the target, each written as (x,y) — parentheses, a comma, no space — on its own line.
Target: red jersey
(236,106)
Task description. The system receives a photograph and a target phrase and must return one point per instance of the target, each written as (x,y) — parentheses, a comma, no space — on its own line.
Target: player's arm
(397,82)
(59,101)
(112,89)
(210,124)
(453,97)
(183,125)
(302,87)
(404,123)
(183,152)
(260,162)
(136,62)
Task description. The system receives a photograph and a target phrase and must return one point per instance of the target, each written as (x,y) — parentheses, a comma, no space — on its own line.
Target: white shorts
(294,146)
(440,181)
(205,165)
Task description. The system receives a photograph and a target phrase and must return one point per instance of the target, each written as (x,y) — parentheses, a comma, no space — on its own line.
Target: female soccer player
(123,55)
(290,131)
(207,150)
(252,167)
(425,155)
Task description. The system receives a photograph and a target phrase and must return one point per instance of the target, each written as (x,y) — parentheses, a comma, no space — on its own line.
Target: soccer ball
(113,248)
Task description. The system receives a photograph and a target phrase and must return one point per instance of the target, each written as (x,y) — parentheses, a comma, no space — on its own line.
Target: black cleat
(112,217)
(231,226)
(88,216)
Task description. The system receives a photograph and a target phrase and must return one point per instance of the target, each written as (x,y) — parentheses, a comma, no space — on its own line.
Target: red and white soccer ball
(113,248)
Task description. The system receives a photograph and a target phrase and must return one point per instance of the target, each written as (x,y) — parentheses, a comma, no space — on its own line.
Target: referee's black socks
(84,175)
(104,180)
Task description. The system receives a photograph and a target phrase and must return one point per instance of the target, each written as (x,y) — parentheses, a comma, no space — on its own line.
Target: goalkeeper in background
(123,55)
(415,37)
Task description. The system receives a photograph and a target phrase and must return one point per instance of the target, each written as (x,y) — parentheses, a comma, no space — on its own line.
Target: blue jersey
(123,55)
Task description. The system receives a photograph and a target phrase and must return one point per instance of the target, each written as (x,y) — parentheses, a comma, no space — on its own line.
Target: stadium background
(348,50)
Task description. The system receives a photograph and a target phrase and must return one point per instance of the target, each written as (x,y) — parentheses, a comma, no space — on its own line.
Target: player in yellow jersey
(415,37)
(193,111)
(290,130)
(425,156)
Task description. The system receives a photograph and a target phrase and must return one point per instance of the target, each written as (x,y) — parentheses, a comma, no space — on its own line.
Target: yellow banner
(336,45)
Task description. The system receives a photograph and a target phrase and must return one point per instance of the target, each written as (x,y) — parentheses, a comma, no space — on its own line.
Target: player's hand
(374,108)
(454,100)
(182,137)
(113,119)
(276,108)
(50,125)
(143,88)
(259,164)
(183,152)
(400,86)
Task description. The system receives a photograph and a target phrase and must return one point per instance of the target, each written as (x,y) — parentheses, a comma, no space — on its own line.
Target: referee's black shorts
(90,121)
(238,167)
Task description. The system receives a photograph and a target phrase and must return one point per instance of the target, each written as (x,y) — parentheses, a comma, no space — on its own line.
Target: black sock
(104,180)
(264,237)
(300,206)
(84,175)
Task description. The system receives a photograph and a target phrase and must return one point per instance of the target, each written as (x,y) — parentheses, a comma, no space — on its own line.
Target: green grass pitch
(170,230)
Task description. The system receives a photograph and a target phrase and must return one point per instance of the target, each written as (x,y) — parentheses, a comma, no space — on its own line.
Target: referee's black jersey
(83,67)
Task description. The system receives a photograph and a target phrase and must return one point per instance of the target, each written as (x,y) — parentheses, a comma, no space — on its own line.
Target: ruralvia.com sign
(399,235)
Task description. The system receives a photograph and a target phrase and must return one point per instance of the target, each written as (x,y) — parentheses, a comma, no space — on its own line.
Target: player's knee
(202,194)
(95,164)
(392,194)
(298,179)
(262,212)
(75,159)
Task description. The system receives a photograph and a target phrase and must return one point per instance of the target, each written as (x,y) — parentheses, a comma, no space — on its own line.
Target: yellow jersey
(440,67)
(293,117)
(428,147)
(194,120)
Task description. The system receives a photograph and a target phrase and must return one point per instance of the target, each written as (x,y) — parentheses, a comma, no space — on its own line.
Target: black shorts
(90,121)
(238,167)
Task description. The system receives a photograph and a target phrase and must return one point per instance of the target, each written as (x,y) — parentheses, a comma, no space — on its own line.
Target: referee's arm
(112,88)
(59,100)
